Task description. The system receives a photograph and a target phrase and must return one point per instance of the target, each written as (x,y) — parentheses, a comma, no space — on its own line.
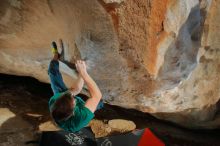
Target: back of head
(63,107)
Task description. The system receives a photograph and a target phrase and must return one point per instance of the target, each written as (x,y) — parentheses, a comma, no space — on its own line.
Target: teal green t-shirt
(81,117)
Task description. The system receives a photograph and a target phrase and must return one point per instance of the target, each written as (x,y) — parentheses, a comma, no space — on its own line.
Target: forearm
(94,90)
(92,86)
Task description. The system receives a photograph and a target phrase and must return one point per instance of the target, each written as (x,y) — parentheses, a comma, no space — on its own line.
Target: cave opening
(27,98)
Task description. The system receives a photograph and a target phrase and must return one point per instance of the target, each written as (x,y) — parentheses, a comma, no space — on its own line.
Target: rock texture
(103,129)
(159,57)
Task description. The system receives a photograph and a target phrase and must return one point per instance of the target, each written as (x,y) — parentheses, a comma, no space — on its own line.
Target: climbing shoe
(54,47)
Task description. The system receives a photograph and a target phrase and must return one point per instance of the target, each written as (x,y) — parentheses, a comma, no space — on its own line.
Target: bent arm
(95,93)
(94,90)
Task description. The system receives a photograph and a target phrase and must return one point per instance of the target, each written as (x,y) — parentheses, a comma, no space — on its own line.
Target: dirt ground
(24,113)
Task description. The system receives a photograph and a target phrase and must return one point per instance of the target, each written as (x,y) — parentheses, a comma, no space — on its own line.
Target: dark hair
(54,45)
(63,107)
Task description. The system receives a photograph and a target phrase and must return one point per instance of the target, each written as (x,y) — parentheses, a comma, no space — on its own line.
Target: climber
(69,111)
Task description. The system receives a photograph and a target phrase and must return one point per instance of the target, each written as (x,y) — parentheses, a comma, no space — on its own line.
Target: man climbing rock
(69,111)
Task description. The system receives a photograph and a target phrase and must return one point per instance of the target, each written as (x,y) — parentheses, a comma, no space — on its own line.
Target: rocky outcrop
(159,57)
(197,96)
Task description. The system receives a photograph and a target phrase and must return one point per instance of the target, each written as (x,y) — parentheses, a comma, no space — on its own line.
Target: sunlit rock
(156,56)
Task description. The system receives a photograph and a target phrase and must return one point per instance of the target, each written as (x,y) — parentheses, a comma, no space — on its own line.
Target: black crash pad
(85,137)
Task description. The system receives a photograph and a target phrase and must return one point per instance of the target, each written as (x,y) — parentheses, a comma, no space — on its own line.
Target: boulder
(159,57)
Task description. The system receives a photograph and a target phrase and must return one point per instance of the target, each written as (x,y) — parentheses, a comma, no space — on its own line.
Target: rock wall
(159,57)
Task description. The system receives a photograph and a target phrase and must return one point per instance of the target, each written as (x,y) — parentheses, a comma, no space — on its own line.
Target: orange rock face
(139,24)
(156,33)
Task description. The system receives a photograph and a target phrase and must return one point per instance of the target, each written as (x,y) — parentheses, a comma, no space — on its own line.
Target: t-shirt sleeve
(79,101)
(83,117)
(87,116)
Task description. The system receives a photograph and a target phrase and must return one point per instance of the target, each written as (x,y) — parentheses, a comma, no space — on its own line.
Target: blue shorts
(56,80)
